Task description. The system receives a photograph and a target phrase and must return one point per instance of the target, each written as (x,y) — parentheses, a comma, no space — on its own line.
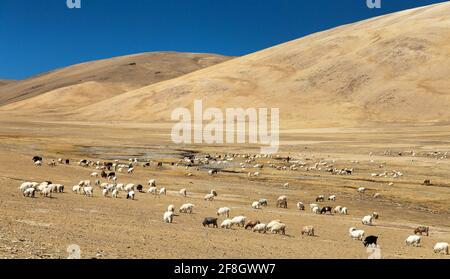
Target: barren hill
(102,79)
(393,68)
(5,82)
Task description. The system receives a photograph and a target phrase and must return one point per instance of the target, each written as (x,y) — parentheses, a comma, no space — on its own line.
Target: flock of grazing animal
(47,189)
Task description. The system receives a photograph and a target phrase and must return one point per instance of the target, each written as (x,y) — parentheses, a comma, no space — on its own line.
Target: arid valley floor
(120,228)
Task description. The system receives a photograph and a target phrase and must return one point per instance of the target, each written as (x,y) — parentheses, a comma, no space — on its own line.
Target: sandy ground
(108,228)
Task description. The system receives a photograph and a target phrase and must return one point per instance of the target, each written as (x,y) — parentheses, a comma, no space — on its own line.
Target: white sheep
(316,210)
(367,220)
(209,197)
(115,193)
(441,247)
(344,211)
(26,185)
(272,223)
(300,206)
(162,191)
(356,234)
(171,208)
(105,192)
(85,183)
(312,205)
(227,224)
(186,208)
(131,195)
(337,209)
(183,192)
(413,240)
(168,217)
(47,192)
(256,205)
(332,198)
(308,230)
(89,191)
(130,187)
(94,174)
(239,221)
(29,192)
(130,170)
(76,189)
(260,228)
(152,183)
(223,211)
(278,228)
(361,190)
(152,190)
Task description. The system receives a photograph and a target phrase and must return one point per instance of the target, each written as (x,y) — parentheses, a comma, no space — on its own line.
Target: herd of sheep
(113,189)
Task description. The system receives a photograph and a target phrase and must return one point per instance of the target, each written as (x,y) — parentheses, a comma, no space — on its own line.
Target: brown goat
(251,224)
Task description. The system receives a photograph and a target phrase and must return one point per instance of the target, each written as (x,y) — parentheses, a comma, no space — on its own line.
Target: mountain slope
(393,68)
(5,82)
(115,75)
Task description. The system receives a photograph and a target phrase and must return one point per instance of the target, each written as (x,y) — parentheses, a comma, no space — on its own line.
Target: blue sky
(40,35)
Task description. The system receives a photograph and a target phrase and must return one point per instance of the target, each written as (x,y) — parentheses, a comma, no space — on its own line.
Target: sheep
(120,187)
(377,195)
(337,209)
(210,221)
(162,191)
(131,195)
(26,185)
(356,234)
(256,205)
(282,202)
(320,198)
(186,208)
(209,197)
(38,163)
(213,192)
(94,174)
(367,220)
(326,209)
(115,193)
(316,210)
(300,206)
(89,191)
(130,187)
(344,211)
(30,192)
(224,211)
(152,190)
(371,240)
(105,192)
(76,189)
(332,198)
(272,223)
(227,224)
(413,240)
(140,188)
(183,192)
(263,202)
(260,228)
(422,230)
(130,170)
(97,182)
(59,188)
(361,190)
(47,192)
(278,228)
(312,205)
(375,215)
(251,224)
(152,183)
(171,208)
(239,221)
(308,230)
(441,247)
(168,217)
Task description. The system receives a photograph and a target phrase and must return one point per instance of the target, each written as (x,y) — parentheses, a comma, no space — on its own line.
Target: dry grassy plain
(107,228)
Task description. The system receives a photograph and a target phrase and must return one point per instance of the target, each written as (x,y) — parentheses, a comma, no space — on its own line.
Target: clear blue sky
(40,35)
